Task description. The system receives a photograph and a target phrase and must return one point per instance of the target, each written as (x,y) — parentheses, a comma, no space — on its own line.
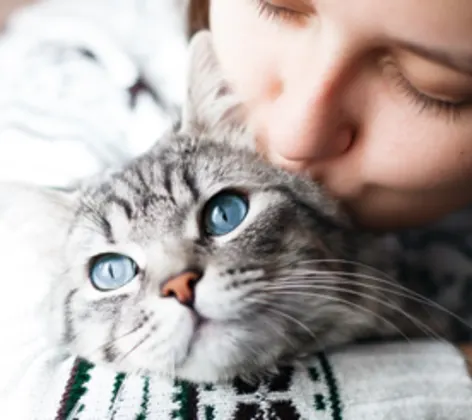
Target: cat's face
(200,260)
(181,264)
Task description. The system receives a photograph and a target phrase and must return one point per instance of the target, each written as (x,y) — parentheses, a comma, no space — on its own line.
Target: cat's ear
(211,108)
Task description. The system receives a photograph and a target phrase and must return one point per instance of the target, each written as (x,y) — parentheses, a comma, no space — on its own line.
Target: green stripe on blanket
(309,392)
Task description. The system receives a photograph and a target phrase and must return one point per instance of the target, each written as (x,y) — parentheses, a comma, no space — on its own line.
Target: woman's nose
(308,123)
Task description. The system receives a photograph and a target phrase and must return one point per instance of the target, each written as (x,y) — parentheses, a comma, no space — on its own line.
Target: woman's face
(373,98)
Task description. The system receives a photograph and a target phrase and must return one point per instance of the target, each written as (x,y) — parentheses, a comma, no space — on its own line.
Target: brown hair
(198,12)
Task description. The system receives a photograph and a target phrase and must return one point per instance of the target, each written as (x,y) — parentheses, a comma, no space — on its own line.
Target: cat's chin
(217,354)
(192,348)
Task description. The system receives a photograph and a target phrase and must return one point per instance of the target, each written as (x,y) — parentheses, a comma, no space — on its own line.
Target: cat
(199,259)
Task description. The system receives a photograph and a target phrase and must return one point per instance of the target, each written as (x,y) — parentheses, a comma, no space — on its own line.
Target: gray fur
(284,284)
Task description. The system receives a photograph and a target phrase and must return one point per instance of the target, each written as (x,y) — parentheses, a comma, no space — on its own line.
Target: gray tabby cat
(201,260)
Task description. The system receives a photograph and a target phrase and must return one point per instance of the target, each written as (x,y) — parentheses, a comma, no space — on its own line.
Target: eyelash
(426,102)
(269,11)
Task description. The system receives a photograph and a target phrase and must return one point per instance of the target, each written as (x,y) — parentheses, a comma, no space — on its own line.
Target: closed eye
(283,10)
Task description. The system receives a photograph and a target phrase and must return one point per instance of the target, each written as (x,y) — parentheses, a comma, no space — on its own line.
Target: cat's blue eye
(112,271)
(224,212)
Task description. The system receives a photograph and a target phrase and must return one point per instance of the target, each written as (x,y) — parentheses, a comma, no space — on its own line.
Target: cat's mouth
(199,323)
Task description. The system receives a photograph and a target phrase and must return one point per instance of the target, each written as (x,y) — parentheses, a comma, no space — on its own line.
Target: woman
(372,98)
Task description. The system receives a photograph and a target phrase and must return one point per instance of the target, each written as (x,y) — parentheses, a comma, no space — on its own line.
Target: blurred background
(85,85)
(6,6)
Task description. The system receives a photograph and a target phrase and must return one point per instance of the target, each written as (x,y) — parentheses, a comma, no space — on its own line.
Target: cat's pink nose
(182,287)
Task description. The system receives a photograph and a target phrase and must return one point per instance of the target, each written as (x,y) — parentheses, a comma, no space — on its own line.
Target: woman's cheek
(408,150)
(246,47)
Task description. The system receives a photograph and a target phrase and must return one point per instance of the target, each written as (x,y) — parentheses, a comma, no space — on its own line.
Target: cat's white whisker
(351,304)
(135,347)
(292,319)
(357,264)
(271,324)
(115,340)
(421,325)
(315,277)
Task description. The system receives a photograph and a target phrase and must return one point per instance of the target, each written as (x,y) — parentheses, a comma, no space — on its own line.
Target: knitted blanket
(295,393)
(403,381)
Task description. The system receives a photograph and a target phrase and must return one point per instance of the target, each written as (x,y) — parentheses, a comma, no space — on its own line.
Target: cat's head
(199,259)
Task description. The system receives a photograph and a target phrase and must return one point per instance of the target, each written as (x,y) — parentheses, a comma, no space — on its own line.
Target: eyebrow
(461,63)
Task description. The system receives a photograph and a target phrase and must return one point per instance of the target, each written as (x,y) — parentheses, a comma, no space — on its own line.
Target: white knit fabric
(404,381)
(421,381)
